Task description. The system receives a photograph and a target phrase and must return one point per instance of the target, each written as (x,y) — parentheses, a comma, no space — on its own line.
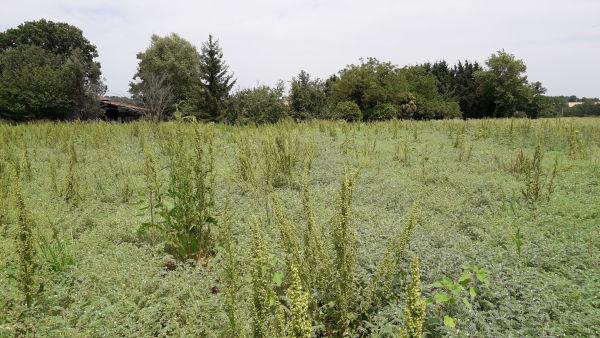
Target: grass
(300,229)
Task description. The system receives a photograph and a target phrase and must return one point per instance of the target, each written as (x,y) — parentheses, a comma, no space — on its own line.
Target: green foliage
(538,182)
(56,252)
(262,104)
(27,265)
(48,72)
(282,156)
(173,57)
(412,90)
(459,83)
(55,37)
(307,97)
(71,191)
(347,110)
(414,312)
(187,208)
(119,283)
(382,112)
(231,278)
(380,288)
(215,81)
(344,249)
(438,109)
(504,88)
(450,295)
(299,322)
(587,108)
(265,305)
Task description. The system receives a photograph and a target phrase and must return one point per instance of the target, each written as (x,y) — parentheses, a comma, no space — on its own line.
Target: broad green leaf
(437,284)
(473,292)
(441,298)
(467,304)
(482,275)
(449,321)
(465,279)
(278,278)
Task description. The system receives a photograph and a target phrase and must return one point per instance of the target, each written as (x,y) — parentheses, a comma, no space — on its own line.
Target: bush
(348,110)
(258,105)
(307,97)
(382,112)
(437,109)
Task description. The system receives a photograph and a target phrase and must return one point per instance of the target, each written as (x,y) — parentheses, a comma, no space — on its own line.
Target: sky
(268,40)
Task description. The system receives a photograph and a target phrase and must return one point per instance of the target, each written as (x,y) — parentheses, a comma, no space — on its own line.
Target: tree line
(49,70)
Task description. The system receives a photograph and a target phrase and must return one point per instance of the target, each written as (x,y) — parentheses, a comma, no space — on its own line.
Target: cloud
(267,40)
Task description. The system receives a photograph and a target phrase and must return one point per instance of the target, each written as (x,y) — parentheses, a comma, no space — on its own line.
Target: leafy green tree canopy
(307,96)
(47,71)
(171,57)
(262,104)
(412,90)
(504,89)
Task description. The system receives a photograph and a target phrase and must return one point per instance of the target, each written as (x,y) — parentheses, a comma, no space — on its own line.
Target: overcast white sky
(267,40)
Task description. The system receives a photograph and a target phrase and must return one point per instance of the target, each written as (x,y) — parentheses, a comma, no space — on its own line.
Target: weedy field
(480,228)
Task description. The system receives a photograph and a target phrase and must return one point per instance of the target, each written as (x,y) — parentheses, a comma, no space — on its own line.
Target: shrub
(437,109)
(348,110)
(381,112)
(307,97)
(262,104)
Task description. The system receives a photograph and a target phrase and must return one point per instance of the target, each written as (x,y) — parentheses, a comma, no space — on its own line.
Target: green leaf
(465,279)
(472,292)
(278,278)
(441,298)
(481,275)
(449,321)
(436,284)
(467,304)
(456,288)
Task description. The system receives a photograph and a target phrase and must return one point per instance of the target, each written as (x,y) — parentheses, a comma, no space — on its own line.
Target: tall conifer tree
(216,81)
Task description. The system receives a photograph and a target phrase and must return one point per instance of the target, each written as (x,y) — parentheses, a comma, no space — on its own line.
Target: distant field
(300,229)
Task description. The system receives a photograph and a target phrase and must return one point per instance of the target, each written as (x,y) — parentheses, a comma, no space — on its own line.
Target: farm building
(120,111)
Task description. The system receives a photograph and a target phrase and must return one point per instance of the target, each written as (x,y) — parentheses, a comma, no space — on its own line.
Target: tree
(175,60)
(157,96)
(215,81)
(464,88)
(307,97)
(262,104)
(414,91)
(47,70)
(503,87)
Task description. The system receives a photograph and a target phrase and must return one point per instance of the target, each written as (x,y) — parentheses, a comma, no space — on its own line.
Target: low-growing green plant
(55,251)
(450,294)
(402,152)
